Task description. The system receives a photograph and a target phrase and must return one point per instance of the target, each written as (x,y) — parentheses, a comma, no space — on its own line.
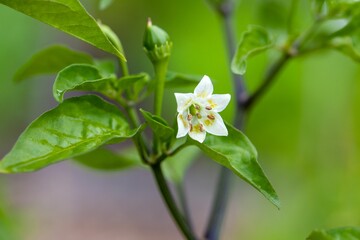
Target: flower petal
(214,124)
(198,135)
(183,101)
(218,102)
(204,88)
(183,125)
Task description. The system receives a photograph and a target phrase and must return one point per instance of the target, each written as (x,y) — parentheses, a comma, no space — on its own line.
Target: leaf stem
(170,203)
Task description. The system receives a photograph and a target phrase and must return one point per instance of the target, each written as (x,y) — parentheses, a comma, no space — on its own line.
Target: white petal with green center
(183,125)
(183,100)
(198,112)
(218,102)
(205,88)
(214,124)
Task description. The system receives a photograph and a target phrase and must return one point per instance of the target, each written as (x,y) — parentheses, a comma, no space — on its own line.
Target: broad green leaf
(103,4)
(68,16)
(345,233)
(159,126)
(49,61)
(237,153)
(175,167)
(82,77)
(253,41)
(106,160)
(77,126)
(177,80)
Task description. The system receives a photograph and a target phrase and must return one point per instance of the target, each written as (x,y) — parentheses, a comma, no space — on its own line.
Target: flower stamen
(201,128)
(211,117)
(191,127)
(189,117)
(198,115)
(208,108)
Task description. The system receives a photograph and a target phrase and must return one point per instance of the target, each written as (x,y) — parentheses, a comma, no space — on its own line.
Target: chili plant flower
(199,111)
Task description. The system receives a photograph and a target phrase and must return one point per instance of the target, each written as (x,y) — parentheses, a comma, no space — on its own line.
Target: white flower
(198,111)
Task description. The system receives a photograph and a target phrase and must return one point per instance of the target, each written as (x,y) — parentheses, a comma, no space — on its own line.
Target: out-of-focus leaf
(77,126)
(50,60)
(159,126)
(103,4)
(175,167)
(82,77)
(113,38)
(345,233)
(68,16)
(106,160)
(237,153)
(177,80)
(253,41)
(346,46)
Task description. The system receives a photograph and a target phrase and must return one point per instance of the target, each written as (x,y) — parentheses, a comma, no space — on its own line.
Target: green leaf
(237,153)
(159,126)
(82,77)
(50,60)
(111,35)
(175,167)
(346,46)
(106,160)
(68,16)
(77,126)
(344,233)
(177,80)
(103,4)
(253,41)
(133,84)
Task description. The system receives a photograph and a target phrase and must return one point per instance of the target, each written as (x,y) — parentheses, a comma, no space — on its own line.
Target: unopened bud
(156,43)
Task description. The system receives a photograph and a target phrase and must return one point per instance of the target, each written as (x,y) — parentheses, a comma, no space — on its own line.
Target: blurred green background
(306,130)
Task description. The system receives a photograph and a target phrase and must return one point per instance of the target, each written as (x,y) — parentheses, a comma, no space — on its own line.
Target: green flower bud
(157,44)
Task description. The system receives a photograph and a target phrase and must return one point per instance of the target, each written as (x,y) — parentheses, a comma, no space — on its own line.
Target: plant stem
(219,205)
(160,69)
(222,192)
(266,83)
(180,189)
(170,203)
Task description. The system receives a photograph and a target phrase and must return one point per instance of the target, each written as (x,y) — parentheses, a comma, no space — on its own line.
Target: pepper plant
(112,108)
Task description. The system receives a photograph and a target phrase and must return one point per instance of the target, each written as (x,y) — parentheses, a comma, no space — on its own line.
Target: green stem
(160,75)
(170,203)
(160,69)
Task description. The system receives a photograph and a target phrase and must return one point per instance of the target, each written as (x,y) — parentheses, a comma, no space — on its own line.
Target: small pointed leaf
(49,61)
(344,233)
(237,153)
(68,16)
(159,126)
(82,77)
(253,41)
(77,126)
(177,80)
(103,4)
